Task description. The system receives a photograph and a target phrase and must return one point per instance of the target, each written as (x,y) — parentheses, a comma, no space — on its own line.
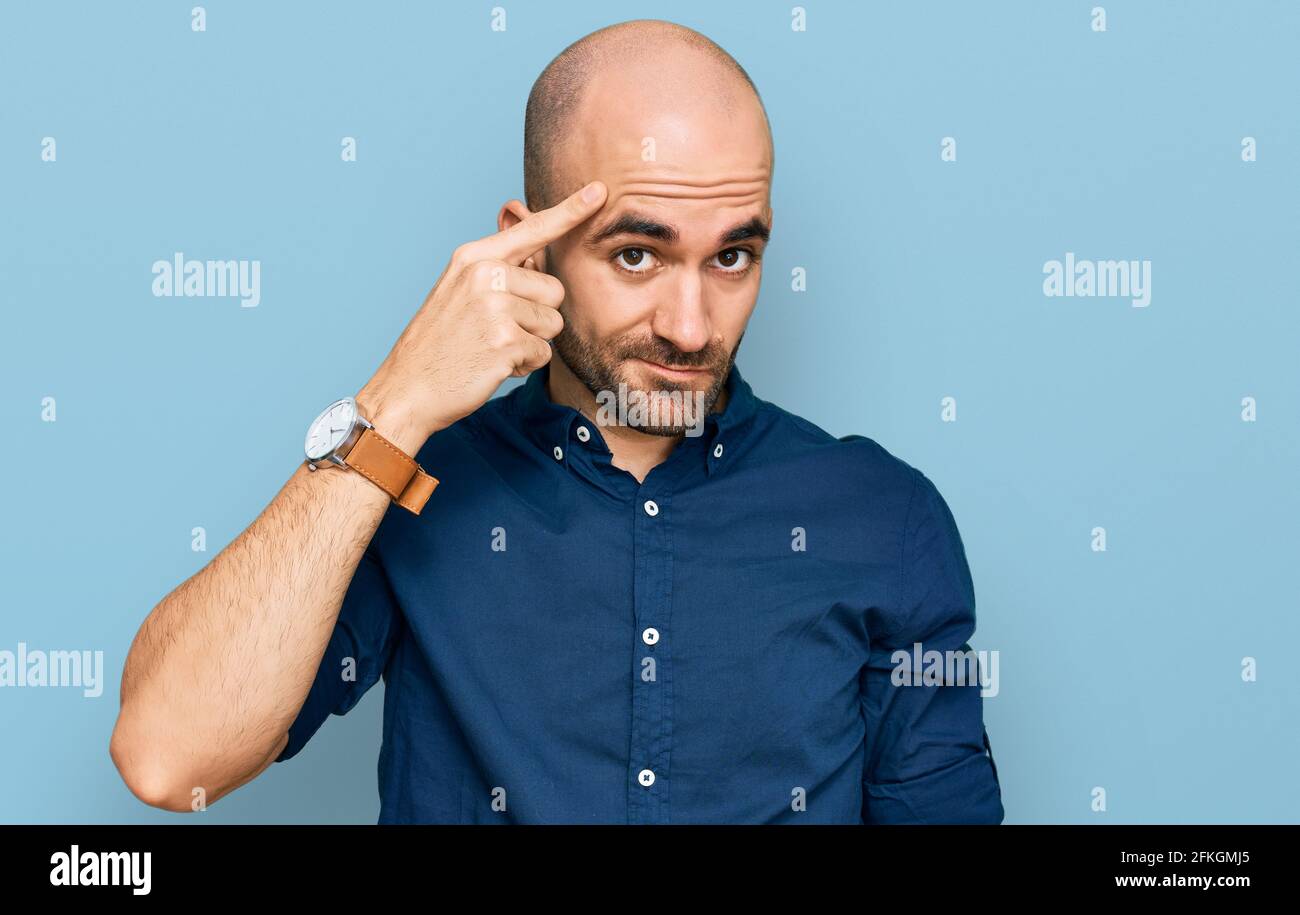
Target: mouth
(680,374)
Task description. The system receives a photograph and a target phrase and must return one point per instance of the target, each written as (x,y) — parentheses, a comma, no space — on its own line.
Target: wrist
(393,420)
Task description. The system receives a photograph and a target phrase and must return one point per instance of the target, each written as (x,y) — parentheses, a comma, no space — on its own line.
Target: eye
(632,260)
(736,260)
(732,261)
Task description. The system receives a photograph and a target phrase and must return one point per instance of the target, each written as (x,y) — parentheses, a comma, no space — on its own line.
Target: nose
(683,317)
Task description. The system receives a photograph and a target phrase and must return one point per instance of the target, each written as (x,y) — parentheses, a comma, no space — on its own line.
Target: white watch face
(331,428)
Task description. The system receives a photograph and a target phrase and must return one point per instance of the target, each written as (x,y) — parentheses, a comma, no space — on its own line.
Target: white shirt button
(646,778)
(650,636)
(651,507)
(583,434)
(717,450)
(559,453)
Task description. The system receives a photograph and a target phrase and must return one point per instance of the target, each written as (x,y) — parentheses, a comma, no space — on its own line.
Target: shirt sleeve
(357,654)
(927,754)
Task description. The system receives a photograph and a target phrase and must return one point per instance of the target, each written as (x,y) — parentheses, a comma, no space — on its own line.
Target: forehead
(681,212)
(699,160)
(699,203)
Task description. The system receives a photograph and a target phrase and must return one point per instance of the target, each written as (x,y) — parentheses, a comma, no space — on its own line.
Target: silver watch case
(338,456)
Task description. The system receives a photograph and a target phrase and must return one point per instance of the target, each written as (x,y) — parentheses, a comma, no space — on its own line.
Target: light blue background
(1118,669)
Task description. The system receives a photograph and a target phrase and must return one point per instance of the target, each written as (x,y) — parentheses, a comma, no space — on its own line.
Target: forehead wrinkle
(671,193)
(695,189)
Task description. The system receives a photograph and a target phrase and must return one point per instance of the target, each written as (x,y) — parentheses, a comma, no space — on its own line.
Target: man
(628,591)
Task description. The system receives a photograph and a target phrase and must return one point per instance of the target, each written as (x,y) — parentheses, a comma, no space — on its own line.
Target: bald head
(662,63)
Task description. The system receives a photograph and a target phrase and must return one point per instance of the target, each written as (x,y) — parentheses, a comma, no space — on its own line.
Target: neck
(632,450)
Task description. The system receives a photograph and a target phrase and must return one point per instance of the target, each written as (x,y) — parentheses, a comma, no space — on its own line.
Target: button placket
(652,697)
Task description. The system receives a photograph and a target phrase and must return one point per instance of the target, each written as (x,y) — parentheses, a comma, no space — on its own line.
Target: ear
(513,213)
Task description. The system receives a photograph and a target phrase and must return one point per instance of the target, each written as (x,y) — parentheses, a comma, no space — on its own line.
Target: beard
(603,366)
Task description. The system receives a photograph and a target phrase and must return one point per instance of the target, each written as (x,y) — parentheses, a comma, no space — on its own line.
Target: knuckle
(502,335)
(550,321)
(495,302)
(462,255)
(482,272)
(534,224)
(521,228)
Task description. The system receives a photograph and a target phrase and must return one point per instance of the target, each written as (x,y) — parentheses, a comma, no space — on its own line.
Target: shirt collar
(551,425)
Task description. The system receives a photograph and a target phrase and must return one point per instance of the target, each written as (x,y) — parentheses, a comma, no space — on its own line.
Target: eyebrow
(631,223)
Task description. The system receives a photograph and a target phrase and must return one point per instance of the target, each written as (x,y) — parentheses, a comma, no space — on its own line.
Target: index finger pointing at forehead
(513,245)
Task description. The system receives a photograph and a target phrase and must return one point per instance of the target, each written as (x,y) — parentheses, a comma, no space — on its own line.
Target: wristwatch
(342,437)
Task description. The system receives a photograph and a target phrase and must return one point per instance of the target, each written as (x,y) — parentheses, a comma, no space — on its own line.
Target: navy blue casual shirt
(562,644)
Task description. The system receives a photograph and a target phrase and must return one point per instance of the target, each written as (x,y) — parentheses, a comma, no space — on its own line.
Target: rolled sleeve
(356,656)
(927,753)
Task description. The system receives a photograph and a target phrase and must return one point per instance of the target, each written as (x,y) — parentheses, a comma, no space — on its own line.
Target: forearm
(221,666)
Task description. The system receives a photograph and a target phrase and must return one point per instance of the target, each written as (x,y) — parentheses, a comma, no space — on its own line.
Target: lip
(674,373)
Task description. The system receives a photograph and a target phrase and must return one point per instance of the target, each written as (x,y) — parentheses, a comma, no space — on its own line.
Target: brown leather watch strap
(392,470)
